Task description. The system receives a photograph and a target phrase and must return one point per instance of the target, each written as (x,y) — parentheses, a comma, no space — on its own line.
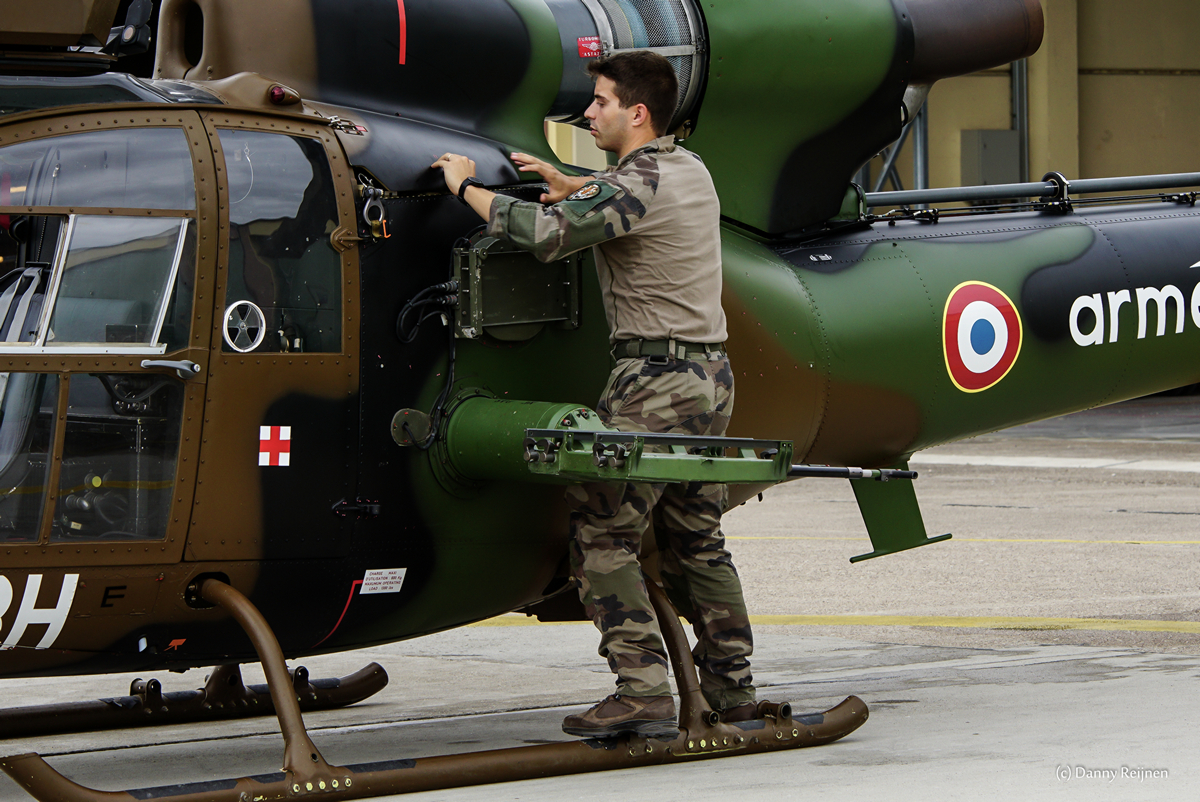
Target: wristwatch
(472,181)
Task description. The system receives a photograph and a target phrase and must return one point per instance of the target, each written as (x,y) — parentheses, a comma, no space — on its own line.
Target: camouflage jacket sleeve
(604,208)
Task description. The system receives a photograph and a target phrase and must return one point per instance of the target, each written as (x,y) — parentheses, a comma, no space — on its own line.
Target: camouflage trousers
(608,521)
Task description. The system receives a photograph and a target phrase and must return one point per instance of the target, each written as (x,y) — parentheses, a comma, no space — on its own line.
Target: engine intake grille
(671,28)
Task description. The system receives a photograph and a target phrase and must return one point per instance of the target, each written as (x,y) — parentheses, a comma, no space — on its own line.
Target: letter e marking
(111,594)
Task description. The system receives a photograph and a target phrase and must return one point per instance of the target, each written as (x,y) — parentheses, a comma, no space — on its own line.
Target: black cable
(444,297)
(447,301)
(465,240)
(406,332)
(435,415)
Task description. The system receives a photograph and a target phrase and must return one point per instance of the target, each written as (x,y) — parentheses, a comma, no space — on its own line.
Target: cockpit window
(117,279)
(284,290)
(111,284)
(27,417)
(136,168)
(120,450)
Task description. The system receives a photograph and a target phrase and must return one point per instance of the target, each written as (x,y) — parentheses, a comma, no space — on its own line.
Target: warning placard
(383,580)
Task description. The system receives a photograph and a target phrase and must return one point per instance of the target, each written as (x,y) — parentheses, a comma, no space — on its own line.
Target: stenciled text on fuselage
(1104,319)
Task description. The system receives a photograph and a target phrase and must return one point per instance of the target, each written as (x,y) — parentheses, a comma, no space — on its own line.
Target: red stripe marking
(403,31)
(353,585)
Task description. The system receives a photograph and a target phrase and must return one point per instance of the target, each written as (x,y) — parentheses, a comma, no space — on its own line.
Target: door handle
(185,367)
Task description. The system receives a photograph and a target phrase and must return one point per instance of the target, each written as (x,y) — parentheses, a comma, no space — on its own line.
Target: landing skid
(223,696)
(305,772)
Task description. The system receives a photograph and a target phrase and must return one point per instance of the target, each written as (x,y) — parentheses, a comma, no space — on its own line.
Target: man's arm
(456,169)
(587,218)
(597,210)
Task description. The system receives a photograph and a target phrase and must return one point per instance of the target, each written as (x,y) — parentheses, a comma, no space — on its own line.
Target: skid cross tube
(306,775)
(301,760)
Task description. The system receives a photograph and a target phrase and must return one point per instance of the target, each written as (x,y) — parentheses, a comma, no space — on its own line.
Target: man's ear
(641,116)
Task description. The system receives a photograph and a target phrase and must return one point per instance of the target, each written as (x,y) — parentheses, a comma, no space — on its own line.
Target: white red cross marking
(274,445)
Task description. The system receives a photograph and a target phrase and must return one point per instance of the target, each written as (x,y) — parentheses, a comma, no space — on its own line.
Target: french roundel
(981,336)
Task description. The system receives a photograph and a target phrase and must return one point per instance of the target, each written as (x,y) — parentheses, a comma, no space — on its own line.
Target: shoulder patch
(585,192)
(588,197)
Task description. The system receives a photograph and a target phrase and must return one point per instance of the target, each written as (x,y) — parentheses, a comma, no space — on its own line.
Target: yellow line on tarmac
(518,620)
(978,622)
(1065,540)
(959,622)
(984,540)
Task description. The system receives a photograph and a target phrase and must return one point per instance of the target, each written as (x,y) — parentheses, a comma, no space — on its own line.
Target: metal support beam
(889,162)
(920,125)
(1020,116)
(863,176)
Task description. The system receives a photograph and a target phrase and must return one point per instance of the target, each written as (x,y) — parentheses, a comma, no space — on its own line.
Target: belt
(674,349)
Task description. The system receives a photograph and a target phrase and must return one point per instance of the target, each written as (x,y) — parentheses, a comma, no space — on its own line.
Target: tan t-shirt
(654,220)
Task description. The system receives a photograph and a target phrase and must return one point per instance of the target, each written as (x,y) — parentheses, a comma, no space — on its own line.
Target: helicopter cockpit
(162,271)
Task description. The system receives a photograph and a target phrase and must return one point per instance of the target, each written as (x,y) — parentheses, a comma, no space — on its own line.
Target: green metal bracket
(892,516)
(600,455)
(487,438)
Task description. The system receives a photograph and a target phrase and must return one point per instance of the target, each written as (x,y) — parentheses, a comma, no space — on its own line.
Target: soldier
(654,220)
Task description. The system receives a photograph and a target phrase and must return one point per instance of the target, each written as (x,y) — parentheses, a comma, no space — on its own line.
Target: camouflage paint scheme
(836,338)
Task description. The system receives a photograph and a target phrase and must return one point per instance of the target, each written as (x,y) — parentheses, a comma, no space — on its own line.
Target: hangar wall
(1112,91)
(1139,83)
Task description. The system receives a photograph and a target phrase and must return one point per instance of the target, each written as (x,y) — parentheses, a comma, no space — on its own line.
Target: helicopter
(269,391)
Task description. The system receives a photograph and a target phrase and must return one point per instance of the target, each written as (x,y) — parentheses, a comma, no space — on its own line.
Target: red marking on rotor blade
(403,30)
(175,644)
(349,599)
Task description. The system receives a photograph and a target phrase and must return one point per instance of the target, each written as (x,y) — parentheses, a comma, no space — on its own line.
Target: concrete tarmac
(1050,650)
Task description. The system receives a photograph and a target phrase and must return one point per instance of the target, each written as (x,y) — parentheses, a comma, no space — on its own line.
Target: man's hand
(455,169)
(560,185)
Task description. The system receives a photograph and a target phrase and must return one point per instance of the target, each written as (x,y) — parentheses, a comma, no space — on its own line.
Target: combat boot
(649,716)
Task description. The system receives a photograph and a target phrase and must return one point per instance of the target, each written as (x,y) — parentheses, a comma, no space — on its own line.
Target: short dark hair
(642,77)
